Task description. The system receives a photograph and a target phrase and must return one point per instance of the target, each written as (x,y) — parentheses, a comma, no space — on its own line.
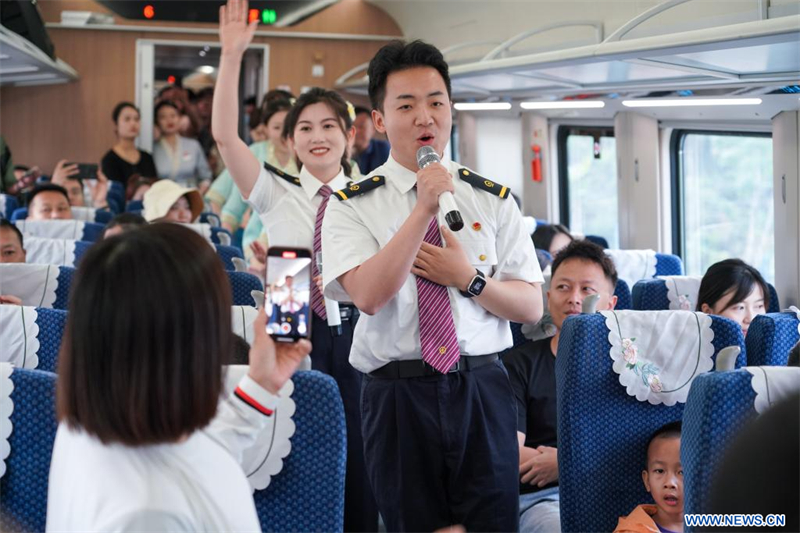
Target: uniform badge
(476,226)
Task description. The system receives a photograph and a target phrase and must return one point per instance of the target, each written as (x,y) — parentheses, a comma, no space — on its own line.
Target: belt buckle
(455,368)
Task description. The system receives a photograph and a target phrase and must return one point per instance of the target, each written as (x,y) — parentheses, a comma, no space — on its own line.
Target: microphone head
(427,155)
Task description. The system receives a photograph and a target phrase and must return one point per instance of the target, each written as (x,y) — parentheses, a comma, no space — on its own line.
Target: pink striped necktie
(437,331)
(317,300)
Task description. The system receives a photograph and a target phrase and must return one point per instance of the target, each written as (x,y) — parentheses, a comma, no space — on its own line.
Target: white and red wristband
(255,396)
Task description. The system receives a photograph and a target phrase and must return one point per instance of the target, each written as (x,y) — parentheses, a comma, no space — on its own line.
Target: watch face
(477,285)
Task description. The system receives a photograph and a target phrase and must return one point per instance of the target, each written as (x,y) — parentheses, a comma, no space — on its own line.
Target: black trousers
(330,355)
(442,450)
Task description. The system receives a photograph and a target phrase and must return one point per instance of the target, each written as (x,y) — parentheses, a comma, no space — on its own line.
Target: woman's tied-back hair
(149,329)
(335,103)
(274,106)
(730,275)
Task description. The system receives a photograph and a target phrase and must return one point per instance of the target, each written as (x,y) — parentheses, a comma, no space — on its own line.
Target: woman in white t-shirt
(145,442)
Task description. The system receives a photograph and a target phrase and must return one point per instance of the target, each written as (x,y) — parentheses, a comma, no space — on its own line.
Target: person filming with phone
(317,128)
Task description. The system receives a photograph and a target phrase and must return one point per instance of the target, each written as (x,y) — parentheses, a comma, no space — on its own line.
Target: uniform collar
(312,185)
(402,178)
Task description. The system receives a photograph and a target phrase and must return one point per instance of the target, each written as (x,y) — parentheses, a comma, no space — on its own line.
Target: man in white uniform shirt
(438,413)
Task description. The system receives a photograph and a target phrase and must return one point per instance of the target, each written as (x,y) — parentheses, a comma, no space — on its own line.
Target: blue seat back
(242,284)
(308,494)
(216,232)
(51,324)
(115,196)
(136,206)
(623,294)
(227,253)
(8,204)
(602,431)
(651,295)
(65,275)
(93,231)
(210,218)
(668,265)
(598,240)
(23,488)
(770,337)
(81,247)
(719,405)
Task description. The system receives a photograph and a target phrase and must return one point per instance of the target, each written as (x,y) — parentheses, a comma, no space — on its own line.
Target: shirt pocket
(481,253)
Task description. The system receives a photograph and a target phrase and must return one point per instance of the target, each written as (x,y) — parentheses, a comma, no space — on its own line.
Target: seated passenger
(137,187)
(663,479)
(144,441)
(551,238)
(735,290)
(369,153)
(166,201)
(579,270)
(122,223)
(11,243)
(49,202)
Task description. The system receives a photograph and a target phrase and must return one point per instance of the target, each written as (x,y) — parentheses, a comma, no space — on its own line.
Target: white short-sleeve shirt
(287,205)
(494,238)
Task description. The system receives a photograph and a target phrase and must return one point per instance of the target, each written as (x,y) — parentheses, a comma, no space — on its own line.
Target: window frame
(678,208)
(564,131)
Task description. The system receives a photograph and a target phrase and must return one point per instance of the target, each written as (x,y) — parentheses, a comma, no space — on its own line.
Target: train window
(724,203)
(588,181)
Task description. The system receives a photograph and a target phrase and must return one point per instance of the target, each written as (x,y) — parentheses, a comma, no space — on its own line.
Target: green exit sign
(268,16)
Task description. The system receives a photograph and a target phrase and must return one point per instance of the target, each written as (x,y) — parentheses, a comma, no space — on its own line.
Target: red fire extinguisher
(536,163)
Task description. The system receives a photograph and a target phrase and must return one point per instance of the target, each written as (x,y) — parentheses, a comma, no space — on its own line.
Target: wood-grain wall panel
(43,124)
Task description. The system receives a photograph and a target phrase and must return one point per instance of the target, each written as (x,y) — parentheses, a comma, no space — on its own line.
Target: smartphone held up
(288,293)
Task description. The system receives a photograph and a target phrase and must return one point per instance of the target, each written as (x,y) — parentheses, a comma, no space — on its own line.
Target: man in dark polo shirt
(579,270)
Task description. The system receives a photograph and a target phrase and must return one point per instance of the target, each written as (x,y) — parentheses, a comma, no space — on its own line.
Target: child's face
(180,211)
(664,476)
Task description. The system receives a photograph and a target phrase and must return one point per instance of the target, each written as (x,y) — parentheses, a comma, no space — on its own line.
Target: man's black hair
(13,227)
(359,110)
(588,251)
(44,187)
(400,55)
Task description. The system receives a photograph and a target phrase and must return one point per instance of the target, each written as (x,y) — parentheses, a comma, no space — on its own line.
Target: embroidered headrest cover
(657,354)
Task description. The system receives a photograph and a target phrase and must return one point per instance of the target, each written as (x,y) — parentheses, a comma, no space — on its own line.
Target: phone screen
(288,293)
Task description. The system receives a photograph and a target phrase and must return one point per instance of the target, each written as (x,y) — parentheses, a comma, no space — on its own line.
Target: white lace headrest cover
(34,284)
(633,265)
(657,354)
(19,336)
(6,408)
(47,251)
(243,317)
(54,229)
(86,214)
(682,291)
(265,458)
(772,384)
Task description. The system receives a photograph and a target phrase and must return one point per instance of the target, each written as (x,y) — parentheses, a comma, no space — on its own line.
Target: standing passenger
(291,208)
(438,413)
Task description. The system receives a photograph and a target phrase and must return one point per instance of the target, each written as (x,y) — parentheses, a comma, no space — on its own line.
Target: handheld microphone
(331,306)
(425,156)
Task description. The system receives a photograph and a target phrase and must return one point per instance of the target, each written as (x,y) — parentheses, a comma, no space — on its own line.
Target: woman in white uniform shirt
(178,158)
(318,129)
(142,443)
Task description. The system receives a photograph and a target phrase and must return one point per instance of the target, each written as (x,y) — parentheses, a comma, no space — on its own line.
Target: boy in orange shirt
(663,479)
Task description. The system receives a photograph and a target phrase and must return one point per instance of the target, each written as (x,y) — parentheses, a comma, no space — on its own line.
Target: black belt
(418,368)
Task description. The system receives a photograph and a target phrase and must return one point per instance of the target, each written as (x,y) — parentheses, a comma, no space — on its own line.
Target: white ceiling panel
(605,72)
(778,57)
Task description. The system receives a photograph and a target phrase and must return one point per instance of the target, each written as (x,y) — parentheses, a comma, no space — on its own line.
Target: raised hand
(271,363)
(63,171)
(99,190)
(235,34)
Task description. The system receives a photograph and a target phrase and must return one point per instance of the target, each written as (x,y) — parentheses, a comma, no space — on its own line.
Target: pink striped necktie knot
(317,300)
(437,331)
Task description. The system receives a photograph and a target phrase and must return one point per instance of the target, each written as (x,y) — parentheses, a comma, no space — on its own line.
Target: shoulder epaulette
(294,180)
(482,183)
(360,188)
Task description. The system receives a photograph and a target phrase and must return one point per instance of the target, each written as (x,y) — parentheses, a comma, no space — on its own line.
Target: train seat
(770,337)
(679,292)
(602,429)
(718,407)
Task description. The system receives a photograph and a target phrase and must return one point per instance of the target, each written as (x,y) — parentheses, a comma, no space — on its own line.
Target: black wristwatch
(476,286)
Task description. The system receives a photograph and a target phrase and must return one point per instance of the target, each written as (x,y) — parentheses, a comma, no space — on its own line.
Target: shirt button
(482,257)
